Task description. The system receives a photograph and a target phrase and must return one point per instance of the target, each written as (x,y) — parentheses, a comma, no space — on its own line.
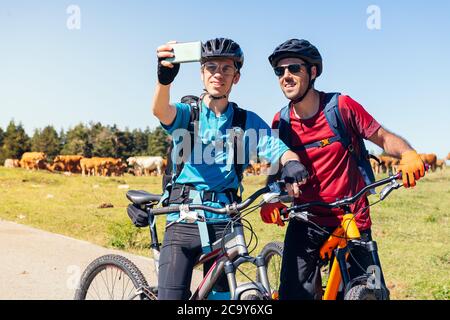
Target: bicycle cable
(236,219)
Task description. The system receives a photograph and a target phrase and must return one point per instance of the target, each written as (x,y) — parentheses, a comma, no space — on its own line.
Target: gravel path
(39,265)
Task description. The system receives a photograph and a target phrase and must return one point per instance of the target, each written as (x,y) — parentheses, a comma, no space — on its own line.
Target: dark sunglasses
(293,68)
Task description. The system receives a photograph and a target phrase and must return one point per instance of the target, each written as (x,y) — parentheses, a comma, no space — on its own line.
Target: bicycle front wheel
(272,254)
(113,277)
(362,292)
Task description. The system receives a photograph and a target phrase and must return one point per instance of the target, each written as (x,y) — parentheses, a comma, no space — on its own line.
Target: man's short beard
(295,96)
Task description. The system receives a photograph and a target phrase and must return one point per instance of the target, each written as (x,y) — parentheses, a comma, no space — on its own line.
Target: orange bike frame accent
(338,239)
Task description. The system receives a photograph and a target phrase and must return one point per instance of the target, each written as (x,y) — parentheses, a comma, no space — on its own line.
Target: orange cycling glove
(270,213)
(412,168)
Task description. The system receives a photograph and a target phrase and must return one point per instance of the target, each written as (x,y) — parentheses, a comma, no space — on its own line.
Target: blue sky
(106,70)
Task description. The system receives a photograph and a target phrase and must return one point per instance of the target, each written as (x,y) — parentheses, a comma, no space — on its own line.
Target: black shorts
(180,251)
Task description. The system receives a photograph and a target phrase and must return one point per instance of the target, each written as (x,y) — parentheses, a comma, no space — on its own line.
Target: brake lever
(302,216)
(186,215)
(388,189)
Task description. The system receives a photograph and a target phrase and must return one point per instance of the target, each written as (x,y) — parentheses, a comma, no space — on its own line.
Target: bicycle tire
(362,292)
(270,252)
(252,297)
(121,264)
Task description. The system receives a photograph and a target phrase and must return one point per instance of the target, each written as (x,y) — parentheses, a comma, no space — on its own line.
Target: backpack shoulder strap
(335,120)
(239,121)
(239,117)
(284,126)
(337,125)
(194,116)
(192,128)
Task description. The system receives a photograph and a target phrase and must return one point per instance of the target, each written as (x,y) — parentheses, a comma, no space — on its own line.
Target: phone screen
(186,52)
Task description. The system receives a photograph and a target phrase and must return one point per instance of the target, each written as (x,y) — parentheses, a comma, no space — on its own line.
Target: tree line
(89,140)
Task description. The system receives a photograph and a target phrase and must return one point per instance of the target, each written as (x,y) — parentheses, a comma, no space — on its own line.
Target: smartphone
(186,52)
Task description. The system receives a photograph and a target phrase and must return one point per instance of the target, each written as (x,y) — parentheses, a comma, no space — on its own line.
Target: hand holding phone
(171,54)
(166,70)
(185,52)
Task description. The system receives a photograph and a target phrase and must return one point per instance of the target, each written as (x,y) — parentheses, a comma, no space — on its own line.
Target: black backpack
(337,125)
(239,120)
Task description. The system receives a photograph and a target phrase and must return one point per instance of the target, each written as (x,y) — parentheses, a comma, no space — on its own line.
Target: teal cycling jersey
(210,166)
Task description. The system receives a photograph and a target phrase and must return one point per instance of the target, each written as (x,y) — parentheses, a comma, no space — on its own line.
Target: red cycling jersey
(333,172)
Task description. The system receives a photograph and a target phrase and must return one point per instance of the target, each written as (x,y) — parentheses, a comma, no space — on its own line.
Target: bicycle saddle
(140,197)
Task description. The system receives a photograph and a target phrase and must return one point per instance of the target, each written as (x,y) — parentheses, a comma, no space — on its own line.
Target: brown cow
(249,170)
(254,168)
(57,166)
(110,166)
(69,163)
(376,167)
(440,164)
(265,167)
(92,166)
(389,164)
(33,161)
(448,156)
(120,169)
(430,159)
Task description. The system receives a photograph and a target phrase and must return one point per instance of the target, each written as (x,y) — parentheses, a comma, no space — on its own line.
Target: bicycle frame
(227,261)
(340,242)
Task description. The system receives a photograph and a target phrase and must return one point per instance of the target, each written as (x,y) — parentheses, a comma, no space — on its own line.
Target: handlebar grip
(165,210)
(399,175)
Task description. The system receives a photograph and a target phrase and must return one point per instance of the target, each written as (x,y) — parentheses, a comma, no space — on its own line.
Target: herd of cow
(155,165)
(95,166)
(389,164)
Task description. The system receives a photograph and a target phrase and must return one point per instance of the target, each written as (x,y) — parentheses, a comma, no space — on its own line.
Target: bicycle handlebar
(229,208)
(350,200)
(345,201)
(276,187)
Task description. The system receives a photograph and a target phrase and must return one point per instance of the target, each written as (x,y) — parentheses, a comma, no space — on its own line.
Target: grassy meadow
(411,226)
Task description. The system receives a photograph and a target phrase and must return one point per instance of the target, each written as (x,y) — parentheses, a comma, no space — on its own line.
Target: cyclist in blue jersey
(211,172)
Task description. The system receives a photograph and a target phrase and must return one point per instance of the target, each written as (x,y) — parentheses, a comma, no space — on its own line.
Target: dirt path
(40,265)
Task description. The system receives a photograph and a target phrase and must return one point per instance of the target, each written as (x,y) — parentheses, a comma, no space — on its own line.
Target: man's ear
(313,72)
(236,78)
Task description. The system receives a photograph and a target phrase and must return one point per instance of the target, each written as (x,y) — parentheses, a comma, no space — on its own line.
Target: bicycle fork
(236,291)
(243,257)
(339,271)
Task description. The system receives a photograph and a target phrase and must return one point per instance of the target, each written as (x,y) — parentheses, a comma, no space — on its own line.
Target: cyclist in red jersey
(332,168)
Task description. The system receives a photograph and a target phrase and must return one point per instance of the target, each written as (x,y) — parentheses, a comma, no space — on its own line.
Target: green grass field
(411,226)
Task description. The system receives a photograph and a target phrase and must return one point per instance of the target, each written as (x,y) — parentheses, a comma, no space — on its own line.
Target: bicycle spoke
(94,282)
(106,283)
(132,291)
(277,271)
(89,293)
(114,281)
(125,289)
(123,285)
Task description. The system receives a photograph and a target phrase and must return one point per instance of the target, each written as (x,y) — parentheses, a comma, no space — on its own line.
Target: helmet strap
(217,98)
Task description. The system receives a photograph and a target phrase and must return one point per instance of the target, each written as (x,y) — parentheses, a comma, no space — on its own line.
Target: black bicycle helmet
(223,48)
(295,48)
